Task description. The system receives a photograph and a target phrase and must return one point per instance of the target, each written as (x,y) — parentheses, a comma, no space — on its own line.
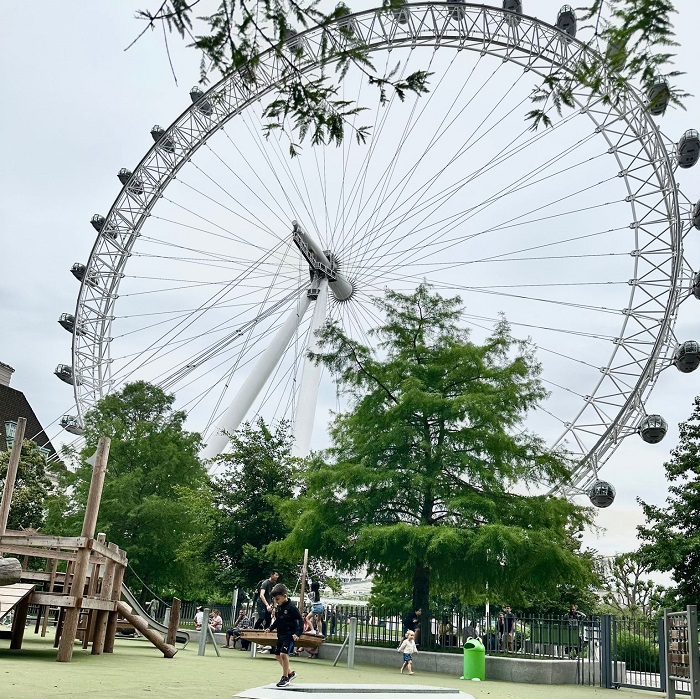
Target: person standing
(411,622)
(289,625)
(508,637)
(317,607)
(264,600)
(575,620)
(408,648)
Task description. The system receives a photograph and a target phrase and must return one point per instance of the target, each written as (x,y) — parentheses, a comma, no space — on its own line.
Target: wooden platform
(15,597)
(11,595)
(269,638)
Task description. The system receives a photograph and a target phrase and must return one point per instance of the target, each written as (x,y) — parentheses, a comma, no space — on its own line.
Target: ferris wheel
(221,256)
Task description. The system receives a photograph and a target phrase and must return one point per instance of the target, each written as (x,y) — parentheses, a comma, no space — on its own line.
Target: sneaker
(292,675)
(284,681)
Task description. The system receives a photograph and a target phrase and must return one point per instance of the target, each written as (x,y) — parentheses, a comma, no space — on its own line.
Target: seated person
(216,623)
(232,635)
(198,618)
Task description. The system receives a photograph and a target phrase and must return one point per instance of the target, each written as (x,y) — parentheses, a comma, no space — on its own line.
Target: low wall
(509,668)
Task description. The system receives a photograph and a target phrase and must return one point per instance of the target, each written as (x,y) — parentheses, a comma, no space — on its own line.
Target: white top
(407,647)
(198,618)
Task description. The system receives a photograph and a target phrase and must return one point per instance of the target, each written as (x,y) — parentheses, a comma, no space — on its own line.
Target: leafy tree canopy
(639,34)
(671,534)
(418,484)
(627,589)
(254,477)
(153,475)
(33,487)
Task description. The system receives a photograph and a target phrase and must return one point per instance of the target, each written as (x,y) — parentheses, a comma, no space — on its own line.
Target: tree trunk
(10,571)
(421,597)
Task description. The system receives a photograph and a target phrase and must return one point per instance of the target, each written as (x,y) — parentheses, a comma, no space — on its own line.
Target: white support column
(310,379)
(257,378)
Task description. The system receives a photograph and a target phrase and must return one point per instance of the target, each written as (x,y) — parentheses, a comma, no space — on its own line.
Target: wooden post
(112,617)
(82,561)
(142,627)
(11,473)
(52,581)
(303,581)
(18,624)
(102,616)
(174,622)
(92,592)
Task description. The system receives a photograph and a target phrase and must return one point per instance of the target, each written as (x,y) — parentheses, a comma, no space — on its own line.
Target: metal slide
(128,595)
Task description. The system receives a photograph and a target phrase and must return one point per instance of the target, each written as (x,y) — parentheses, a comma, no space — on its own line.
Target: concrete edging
(507,668)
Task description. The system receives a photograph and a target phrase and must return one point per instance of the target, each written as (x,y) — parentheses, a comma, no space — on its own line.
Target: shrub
(639,653)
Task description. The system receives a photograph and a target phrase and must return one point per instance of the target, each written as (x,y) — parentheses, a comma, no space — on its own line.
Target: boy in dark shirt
(289,625)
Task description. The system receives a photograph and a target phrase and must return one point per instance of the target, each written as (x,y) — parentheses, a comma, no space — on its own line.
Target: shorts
(407,657)
(317,608)
(284,646)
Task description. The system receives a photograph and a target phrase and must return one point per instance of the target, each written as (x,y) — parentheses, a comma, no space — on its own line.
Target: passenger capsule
(401,14)
(688,149)
(566,20)
(658,97)
(65,373)
(696,286)
(67,321)
(98,222)
(294,42)
(203,105)
(162,140)
(601,494)
(616,54)
(516,7)
(133,184)
(345,24)
(70,423)
(78,271)
(686,358)
(456,11)
(100,225)
(653,428)
(695,215)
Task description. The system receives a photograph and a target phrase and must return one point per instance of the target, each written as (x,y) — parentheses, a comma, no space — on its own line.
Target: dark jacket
(288,621)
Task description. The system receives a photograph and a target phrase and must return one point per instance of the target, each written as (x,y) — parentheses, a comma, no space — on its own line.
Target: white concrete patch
(334,691)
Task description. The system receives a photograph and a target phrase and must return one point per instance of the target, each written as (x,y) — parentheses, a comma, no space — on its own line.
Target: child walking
(408,648)
(289,625)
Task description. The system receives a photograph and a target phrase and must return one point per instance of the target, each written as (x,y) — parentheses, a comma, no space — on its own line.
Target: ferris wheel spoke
(405,181)
(516,187)
(511,189)
(510,152)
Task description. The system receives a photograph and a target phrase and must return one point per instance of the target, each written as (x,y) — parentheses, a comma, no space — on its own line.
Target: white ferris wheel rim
(646,167)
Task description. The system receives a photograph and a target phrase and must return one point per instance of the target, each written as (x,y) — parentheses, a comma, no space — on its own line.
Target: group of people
(216,623)
(274,612)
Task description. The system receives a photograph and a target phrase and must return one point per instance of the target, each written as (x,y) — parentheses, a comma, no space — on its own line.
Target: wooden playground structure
(86,591)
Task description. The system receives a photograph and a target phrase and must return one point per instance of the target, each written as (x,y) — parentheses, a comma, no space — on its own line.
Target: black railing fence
(628,648)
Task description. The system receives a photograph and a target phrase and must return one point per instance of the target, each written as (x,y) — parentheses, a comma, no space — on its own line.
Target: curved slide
(128,595)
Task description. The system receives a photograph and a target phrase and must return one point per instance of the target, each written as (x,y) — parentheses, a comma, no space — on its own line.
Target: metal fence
(610,651)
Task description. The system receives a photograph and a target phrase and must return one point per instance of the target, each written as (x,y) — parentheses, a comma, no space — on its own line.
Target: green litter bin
(474,660)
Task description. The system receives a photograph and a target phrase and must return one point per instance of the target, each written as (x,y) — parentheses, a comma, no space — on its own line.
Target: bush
(639,653)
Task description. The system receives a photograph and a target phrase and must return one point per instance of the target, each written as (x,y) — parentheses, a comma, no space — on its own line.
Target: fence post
(661,635)
(606,658)
(693,650)
(351,642)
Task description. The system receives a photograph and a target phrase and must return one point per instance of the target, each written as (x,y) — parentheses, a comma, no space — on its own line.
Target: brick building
(13,404)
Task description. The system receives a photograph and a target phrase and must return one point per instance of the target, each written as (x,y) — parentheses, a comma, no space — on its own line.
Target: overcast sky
(77,107)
